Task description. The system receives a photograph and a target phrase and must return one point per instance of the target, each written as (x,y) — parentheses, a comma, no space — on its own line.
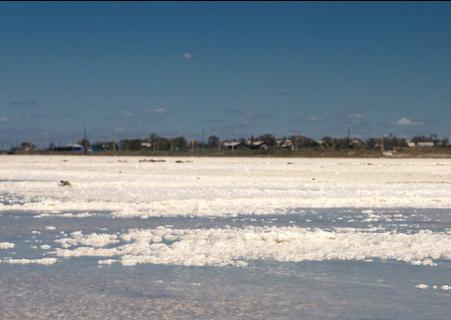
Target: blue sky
(231,69)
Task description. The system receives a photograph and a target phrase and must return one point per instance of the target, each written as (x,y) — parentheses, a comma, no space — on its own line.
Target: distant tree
(302,141)
(269,140)
(192,145)
(341,143)
(372,143)
(417,139)
(328,142)
(132,144)
(178,143)
(27,146)
(154,140)
(84,143)
(163,144)
(391,142)
(213,142)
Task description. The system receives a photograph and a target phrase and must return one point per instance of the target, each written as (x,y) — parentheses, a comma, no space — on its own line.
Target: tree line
(155,142)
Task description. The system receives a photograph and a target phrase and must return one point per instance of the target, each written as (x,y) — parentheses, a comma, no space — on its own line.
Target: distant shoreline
(435,153)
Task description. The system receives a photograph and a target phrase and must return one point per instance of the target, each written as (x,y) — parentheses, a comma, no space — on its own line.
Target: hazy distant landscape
(266,145)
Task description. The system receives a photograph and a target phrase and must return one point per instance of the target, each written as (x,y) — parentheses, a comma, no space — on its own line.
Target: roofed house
(285,144)
(70,148)
(257,145)
(105,146)
(233,145)
(146,145)
(356,142)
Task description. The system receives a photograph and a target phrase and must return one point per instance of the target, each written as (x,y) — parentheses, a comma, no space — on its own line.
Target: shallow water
(78,287)
(313,290)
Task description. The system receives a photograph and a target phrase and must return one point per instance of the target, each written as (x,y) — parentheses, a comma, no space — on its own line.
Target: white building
(425,144)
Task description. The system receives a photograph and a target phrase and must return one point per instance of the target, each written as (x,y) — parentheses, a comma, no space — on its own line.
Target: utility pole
(203,140)
(85,141)
(348,137)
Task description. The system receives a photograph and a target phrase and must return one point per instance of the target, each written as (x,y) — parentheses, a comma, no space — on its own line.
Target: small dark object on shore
(313,179)
(289,162)
(178,161)
(64,183)
(152,160)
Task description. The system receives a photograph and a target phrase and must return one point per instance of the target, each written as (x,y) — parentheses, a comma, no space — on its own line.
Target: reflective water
(79,288)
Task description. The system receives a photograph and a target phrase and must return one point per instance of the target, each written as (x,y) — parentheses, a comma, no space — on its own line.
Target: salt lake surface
(225,238)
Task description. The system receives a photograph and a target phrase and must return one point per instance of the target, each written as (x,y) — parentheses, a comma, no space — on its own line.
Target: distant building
(105,146)
(232,145)
(257,145)
(146,145)
(425,144)
(285,144)
(27,147)
(70,148)
(356,142)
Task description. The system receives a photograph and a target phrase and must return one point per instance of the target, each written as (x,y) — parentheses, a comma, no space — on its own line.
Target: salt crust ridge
(44,261)
(238,246)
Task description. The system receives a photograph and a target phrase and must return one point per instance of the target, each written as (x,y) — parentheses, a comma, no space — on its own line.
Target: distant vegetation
(267,144)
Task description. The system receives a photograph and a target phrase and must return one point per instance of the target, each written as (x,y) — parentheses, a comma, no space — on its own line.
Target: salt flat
(224,238)
(128,186)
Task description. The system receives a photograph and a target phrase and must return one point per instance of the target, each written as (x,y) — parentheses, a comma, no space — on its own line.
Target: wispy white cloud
(355,115)
(4,119)
(407,122)
(157,110)
(187,56)
(312,118)
(24,102)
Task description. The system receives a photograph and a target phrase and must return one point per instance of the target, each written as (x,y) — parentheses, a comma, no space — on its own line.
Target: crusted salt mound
(237,246)
(7,245)
(93,240)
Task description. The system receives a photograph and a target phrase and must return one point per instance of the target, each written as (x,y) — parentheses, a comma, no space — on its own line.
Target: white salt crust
(44,261)
(238,246)
(6,245)
(218,186)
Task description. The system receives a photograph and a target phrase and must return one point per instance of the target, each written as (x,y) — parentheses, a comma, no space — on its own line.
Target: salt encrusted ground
(127,186)
(224,238)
